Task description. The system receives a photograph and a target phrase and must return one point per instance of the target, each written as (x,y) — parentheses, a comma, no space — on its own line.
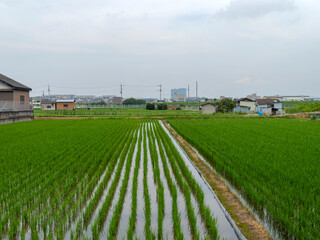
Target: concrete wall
(208,109)
(16,116)
(48,106)
(251,105)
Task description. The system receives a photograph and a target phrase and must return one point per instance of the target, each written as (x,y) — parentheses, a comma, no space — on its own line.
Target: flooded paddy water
(148,145)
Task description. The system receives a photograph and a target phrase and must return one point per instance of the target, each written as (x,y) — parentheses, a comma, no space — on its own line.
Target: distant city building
(179,91)
(117,100)
(223,97)
(150,100)
(295,98)
(179,97)
(253,96)
(288,98)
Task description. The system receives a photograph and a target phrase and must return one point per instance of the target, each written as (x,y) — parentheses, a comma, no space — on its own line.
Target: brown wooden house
(13,95)
(65,104)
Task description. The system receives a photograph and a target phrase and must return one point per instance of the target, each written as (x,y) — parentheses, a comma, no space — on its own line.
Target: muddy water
(140,200)
(104,233)
(152,192)
(167,220)
(225,228)
(126,210)
(74,223)
(181,205)
(200,224)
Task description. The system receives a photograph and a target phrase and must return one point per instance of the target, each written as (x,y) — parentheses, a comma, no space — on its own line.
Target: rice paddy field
(102,179)
(273,163)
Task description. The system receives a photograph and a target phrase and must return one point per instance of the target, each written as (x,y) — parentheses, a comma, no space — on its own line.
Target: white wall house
(245,105)
(269,106)
(208,108)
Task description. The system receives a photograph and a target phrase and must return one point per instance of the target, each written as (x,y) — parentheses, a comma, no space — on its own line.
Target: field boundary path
(245,221)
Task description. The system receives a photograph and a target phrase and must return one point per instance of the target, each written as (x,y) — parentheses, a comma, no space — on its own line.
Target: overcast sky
(231,47)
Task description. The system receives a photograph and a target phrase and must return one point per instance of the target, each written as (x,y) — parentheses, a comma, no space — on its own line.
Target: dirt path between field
(245,221)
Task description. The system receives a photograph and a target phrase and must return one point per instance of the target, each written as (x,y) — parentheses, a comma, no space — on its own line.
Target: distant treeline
(304,107)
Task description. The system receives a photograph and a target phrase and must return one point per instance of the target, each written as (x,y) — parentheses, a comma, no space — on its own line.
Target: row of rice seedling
(272,163)
(157,179)
(132,219)
(148,230)
(178,234)
(113,227)
(61,175)
(99,221)
(180,170)
(92,182)
(180,167)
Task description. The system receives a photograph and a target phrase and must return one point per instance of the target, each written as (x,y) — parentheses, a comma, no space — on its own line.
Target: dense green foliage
(162,106)
(133,101)
(150,106)
(225,105)
(70,179)
(304,107)
(273,162)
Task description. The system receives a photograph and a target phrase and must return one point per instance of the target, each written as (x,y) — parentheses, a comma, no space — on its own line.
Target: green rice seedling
(173,190)
(185,189)
(269,161)
(113,227)
(176,163)
(132,219)
(106,205)
(147,210)
(160,188)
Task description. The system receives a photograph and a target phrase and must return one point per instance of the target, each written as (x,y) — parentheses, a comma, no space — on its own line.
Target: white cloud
(247,81)
(254,9)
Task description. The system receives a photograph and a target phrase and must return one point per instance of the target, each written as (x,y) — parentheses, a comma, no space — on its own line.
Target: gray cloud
(254,8)
(82,48)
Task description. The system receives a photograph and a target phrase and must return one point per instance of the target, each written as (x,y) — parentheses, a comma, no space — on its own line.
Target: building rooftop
(267,101)
(12,83)
(65,100)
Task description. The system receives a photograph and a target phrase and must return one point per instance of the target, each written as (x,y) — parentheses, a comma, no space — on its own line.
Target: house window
(65,105)
(21,99)
(48,107)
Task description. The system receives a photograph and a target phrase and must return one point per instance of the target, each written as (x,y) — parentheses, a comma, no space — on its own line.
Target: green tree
(162,106)
(133,101)
(150,106)
(226,105)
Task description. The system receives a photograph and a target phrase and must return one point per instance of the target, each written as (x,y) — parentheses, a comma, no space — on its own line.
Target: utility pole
(188,92)
(196,90)
(160,86)
(42,93)
(48,90)
(121,90)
